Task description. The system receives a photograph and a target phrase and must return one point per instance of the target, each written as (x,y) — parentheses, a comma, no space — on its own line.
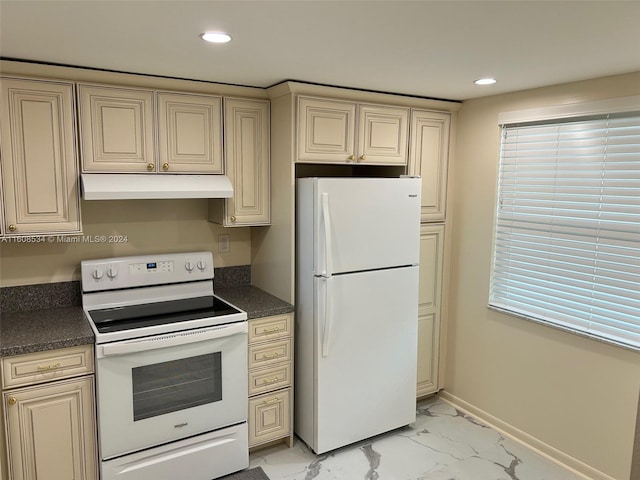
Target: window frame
(550,115)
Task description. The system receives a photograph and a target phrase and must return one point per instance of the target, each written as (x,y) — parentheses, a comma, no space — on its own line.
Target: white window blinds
(567,241)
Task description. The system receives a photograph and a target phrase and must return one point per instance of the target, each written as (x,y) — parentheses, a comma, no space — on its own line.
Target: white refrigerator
(357,253)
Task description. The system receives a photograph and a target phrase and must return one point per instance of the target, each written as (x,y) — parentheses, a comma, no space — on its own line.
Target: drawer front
(269,417)
(268,379)
(34,368)
(269,328)
(270,353)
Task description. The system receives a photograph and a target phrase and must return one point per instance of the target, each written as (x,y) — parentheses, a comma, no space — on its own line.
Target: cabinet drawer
(269,328)
(271,378)
(269,417)
(269,353)
(45,366)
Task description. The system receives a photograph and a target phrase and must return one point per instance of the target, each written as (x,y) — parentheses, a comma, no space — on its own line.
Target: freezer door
(365,223)
(365,352)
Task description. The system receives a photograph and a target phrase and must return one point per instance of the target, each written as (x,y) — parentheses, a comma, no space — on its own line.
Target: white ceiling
(426,48)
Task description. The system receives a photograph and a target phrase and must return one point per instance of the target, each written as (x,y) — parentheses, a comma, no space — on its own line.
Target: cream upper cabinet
(40,192)
(116,129)
(334,131)
(3,227)
(428,158)
(189,133)
(131,130)
(247,164)
(382,135)
(326,130)
(429,304)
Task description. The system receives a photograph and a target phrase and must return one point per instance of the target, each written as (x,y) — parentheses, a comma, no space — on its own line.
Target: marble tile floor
(443,444)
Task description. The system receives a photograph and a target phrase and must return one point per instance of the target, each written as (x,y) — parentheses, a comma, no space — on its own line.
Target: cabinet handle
(350,157)
(267,331)
(232,218)
(273,400)
(12,228)
(12,401)
(46,368)
(269,356)
(165,166)
(363,157)
(273,380)
(150,166)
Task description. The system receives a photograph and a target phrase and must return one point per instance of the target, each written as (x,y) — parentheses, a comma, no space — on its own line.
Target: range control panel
(144,270)
(151,267)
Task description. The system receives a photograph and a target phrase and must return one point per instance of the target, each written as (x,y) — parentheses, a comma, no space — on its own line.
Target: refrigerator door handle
(326,333)
(326,224)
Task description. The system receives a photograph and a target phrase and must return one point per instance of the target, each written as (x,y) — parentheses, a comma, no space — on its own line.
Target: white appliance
(117,186)
(357,255)
(171,368)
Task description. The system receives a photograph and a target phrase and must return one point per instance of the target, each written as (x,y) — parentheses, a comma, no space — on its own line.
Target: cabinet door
(3,450)
(39,162)
(326,130)
(51,431)
(116,129)
(247,162)
(429,293)
(189,133)
(428,158)
(2,222)
(382,135)
(269,417)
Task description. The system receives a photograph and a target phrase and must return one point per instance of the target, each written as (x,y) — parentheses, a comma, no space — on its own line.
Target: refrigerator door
(365,355)
(362,223)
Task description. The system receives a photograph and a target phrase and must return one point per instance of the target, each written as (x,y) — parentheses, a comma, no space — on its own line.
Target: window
(567,237)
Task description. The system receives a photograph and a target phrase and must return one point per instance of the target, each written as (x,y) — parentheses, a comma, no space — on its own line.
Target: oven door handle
(174,339)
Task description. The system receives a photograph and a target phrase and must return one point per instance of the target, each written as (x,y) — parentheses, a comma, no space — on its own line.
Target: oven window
(171,386)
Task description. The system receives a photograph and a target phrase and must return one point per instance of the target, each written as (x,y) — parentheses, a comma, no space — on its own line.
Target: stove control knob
(112,272)
(202,265)
(97,274)
(188,265)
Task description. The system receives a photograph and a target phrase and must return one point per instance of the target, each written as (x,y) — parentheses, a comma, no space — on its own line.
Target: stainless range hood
(127,186)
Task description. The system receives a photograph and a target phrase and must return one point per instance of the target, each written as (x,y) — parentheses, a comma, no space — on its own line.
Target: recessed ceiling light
(485,81)
(216,37)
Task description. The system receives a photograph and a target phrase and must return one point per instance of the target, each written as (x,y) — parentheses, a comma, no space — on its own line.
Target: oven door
(163,388)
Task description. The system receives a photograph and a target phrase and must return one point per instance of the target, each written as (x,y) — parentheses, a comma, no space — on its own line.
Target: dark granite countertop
(35,330)
(45,329)
(256,302)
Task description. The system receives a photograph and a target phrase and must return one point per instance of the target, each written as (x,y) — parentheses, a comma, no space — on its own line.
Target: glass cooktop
(130,317)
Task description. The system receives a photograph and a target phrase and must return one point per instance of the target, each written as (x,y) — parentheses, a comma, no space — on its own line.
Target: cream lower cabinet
(3,450)
(129,130)
(429,304)
(270,380)
(428,158)
(50,426)
(246,125)
(334,131)
(40,192)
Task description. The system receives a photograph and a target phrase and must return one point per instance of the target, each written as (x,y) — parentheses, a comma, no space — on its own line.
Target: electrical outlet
(223,243)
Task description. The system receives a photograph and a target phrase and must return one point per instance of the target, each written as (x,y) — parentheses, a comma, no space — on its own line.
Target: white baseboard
(551,453)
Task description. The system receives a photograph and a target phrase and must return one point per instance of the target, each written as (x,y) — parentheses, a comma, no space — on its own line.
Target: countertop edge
(76,331)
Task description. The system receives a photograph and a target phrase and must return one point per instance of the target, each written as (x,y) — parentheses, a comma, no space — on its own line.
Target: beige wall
(150,226)
(573,394)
